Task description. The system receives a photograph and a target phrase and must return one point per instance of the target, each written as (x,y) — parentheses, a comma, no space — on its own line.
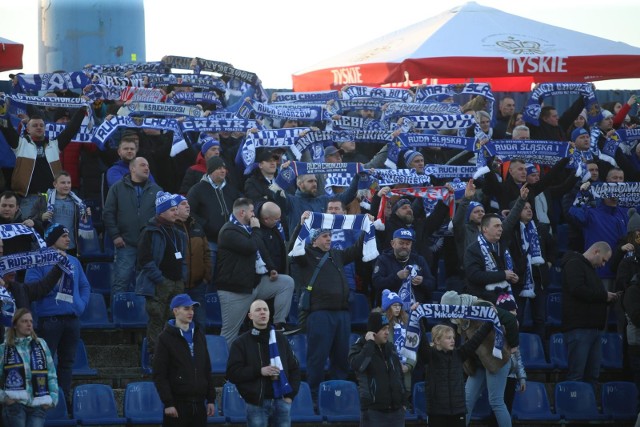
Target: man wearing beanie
(199,271)
(181,368)
(256,187)
(374,359)
(59,312)
(211,200)
(210,148)
(161,253)
(399,267)
(130,204)
(127,151)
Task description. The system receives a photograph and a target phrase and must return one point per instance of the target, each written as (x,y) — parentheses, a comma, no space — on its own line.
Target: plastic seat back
(338,400)
(81,364)
(128,310)
(532,352)
(554,309)
(142,404)
(100,276)
(619,400)
(576,401)
(95,404)
(533,404)
(218,353)
(95,314)
(212,307)
(233,406)
(359,309)
(302,406)
(58,416)
(611,351)
(298,344)
(420,400)
(558,351)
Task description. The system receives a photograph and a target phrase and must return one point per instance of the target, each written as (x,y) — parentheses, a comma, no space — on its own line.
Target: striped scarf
(281,387)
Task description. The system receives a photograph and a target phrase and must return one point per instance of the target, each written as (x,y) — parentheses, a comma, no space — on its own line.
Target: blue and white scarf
(15,383)
(436,122)
(162,109)
(7,307)
(219,122)
(491,264)
(110,80)
(281,386)
(425,93)
(261,267)
(395,110)
(49,101)
(136,67)
(531,113)
(287,176)
(530,248)
(85,224)
(341,106)
(338,222)
(8,231)
(42,257)
(319,97)
(449,171)
(406,289)
(84,135)
(272,138)
(541,152)
(199,64)
(193,98)
(34,83)
(123,93)
(297,111)
(201,81)
(391,94)
(356,123)
(435,140)
(337,180)
(443,311)
(311,138)
(387,177)
(399,338)
(627,193)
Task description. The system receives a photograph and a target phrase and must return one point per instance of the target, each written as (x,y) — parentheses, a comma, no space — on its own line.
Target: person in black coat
(182,369)
(267,389)
(374,359)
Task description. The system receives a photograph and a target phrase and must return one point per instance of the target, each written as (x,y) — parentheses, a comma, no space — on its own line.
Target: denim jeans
(584,354)
(272,413)
(197,294)
(62,335)
(327,336)
(124,264)
(19,415)
(495,387)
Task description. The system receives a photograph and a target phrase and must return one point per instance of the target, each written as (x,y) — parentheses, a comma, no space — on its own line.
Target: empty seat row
(127,310)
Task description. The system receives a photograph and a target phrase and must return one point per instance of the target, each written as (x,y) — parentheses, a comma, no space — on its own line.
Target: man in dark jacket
(129,205)
(257,185)
(211,200)
(244,275)
(584,310)
(329,321)
(383,398)
(267,376)
(182,369)
(398,265)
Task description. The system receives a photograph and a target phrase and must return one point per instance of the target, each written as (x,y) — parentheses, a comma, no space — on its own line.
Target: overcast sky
(279,37)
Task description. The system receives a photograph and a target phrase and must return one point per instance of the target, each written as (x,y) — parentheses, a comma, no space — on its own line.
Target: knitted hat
(606,114)
(634,220)
(317,232)
(215,163)
(207,142)
(409,155)
(164,201)
(506,302)
(389,298)
(399,204)
(404,233)
(531,169)
(472,206)
(179,198)
(53,233)
(453,298)
(376,321)
(577,132)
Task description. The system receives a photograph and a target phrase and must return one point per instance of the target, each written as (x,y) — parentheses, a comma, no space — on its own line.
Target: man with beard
(402,271)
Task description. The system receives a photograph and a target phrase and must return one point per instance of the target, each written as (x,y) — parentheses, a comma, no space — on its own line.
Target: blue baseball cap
(404,233)
(183,300)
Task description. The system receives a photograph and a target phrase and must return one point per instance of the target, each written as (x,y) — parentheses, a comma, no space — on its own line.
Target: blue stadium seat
(533,404)
(218,353)
(555,278)
(576,401)
(554,309)
(81,364)
(142,404)
(532,352)
(359,309)
(95,315)
(95,404)
(558,351)
(100,276)
(611,351)
(58,416)
(482,409)
(128,310)
(420,400)
(145,363)
(338,401)
(302,406)
(620,400)
(91,248)
(212,307)
(298,343)
(233,407)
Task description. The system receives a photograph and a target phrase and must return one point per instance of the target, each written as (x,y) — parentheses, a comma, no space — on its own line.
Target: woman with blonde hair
(28,380)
